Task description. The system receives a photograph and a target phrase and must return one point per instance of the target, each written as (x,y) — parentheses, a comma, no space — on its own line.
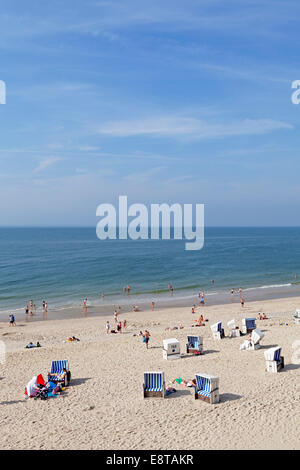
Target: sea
(63,266)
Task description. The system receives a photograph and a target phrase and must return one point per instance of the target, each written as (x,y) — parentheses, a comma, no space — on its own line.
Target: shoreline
(161,303)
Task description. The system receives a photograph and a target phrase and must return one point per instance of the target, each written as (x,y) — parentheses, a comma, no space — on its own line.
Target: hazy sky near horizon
(169,101)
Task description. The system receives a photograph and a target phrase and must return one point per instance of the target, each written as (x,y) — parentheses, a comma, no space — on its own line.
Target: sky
(165,102)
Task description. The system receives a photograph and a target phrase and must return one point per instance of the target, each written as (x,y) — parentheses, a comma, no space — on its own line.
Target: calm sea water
(63,266)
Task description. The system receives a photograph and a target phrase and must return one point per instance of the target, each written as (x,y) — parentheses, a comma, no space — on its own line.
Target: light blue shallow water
(63,266)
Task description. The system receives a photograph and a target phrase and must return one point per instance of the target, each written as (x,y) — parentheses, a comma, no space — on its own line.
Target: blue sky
(167,101)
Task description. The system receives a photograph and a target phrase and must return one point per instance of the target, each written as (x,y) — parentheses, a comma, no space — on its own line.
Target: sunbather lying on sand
(185,383)
(262,316)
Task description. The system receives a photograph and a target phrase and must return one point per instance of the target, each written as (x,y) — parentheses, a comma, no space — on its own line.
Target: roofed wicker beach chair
(154,384)
(248,325)
(297,317)
(234,330)
(217,331)
(56,373)
(274,361)
(256,336)
(207,388)
(194,345)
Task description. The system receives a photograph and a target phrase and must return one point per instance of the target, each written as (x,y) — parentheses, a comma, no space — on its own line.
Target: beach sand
(103,408)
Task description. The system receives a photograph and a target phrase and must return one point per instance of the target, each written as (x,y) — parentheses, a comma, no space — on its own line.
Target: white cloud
(170,126)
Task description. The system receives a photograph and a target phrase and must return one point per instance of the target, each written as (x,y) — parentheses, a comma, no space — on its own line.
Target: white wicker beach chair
(217,331)
(274,361)
(234,330)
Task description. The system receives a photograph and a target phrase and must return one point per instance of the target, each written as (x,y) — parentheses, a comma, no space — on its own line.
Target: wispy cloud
(196,129)
(45,163)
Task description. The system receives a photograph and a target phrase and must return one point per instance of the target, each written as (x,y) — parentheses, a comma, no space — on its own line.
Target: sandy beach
(103,408)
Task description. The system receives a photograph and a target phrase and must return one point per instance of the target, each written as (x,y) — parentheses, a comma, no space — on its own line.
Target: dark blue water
(63,266)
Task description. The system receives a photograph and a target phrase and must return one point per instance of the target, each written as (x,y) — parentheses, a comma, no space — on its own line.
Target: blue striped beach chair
(154,384)
(217,331)
(194,345)
(207,388)
(57,370)
(274,361)
(248,325)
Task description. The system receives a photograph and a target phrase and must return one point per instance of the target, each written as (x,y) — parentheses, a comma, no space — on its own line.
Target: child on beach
(242,302)
(12,321)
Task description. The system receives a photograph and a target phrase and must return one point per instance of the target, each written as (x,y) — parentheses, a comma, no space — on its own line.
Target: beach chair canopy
(273,354)
(58,366)
(249,323)
(153,381)
(231,325)
(205,384)
(216,327)
(256,336)
(194,341)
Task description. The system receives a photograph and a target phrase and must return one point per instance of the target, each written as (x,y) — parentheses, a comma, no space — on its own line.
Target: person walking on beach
(107,327)
(116,313)
(152,306)
(12,321)
(125,324)
(146,338)
(242,302)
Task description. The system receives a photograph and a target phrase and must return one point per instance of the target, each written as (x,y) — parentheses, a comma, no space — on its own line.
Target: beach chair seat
(207,388)
(248,325)
(57,370)
(154,384)
(217,331)
(194,345)
(234,330)
(274,361)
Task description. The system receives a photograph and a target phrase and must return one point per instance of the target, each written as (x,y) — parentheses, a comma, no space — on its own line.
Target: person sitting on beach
(62,376)
(262,316)
(136,308)
(200,321)
(30,345)
(185,383)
